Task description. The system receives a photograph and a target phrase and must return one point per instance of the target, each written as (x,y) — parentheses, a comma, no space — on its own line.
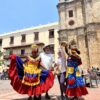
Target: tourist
(47,60)
(61,66)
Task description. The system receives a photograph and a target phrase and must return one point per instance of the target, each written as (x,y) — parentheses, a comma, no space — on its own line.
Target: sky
(19,14)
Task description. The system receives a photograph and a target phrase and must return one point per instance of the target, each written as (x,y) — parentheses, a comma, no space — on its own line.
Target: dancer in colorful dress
(75,84)
(27,77)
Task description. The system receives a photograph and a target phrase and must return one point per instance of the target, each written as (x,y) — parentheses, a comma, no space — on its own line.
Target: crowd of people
(36,74)
(4,75)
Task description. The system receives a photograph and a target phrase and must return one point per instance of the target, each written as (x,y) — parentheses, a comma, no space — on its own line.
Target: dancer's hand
(43,66)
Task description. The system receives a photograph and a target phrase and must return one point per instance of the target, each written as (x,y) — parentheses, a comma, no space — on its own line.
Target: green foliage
(1,61)
(1,53)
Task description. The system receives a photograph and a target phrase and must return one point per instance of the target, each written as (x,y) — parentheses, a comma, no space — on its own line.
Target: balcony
(23,55)
(17,46)
(20,55)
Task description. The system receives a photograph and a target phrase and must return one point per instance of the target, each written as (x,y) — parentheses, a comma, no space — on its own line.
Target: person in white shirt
(47,61)
(61,64)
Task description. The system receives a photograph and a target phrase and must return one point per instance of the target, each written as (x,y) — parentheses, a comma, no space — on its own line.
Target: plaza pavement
(7,93)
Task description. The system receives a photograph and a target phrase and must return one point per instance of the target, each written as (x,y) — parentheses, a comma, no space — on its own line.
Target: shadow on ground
(52,98)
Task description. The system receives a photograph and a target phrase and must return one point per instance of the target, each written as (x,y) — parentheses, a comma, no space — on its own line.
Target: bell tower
(80,20)
(71,19)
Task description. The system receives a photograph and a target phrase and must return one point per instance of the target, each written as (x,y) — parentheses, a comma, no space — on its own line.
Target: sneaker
(47,96)
(62,97)
(35,98)
(39,97)
(66,97)
(30,98)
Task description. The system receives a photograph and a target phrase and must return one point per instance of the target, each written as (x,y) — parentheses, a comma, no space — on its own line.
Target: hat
(48,45)
(63,42)
(34,46)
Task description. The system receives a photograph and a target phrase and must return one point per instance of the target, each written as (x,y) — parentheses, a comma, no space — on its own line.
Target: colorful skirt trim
(75,86)
(16,75)
(78,91)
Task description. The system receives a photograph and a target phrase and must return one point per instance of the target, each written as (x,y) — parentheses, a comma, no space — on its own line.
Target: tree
(1,61)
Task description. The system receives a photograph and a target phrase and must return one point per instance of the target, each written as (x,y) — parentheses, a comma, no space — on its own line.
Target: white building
(20,41)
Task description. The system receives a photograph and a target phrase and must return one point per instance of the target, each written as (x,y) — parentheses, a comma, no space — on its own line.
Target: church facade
(80,20)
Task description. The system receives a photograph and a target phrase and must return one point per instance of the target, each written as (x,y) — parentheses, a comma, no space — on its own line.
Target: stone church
(80,20)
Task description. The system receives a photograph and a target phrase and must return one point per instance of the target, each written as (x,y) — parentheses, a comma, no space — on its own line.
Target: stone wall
(94,45)
(85,31)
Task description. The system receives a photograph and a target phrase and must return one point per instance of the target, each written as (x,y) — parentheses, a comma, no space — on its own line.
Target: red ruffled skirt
(17,85)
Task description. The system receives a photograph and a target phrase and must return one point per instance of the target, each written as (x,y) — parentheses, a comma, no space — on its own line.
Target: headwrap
(64,43)
(34,46)
(75,50)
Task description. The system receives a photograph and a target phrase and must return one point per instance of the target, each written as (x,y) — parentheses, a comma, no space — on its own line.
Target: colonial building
(19,42)
(80,20)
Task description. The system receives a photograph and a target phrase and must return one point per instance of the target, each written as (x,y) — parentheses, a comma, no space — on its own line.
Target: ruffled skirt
(16,75)
(75,86)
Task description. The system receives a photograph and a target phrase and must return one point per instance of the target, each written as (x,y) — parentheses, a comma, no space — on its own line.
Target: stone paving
(7,93)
